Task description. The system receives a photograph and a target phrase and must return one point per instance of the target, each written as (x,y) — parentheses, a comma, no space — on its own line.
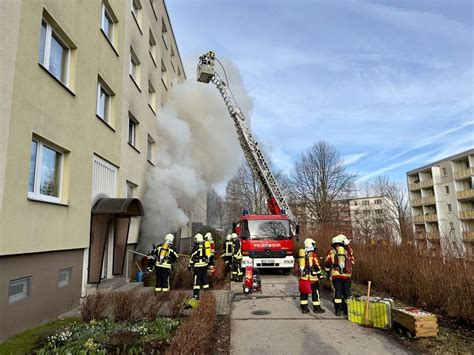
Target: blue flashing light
(283,212)
(245,212)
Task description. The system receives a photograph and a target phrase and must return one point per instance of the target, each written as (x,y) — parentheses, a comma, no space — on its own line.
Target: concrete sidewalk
(272,323)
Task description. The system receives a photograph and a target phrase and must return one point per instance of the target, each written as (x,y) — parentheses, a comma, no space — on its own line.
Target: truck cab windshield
(264,229)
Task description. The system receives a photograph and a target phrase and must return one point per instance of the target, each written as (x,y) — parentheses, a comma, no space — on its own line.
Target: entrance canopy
(105,212)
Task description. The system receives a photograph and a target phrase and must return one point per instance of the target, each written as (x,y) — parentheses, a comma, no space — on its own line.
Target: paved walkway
(271,323)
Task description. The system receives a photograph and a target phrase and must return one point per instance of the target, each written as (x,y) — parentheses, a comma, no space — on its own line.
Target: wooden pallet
(422,324)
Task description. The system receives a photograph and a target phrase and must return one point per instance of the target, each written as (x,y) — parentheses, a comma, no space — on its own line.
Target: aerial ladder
(276,202)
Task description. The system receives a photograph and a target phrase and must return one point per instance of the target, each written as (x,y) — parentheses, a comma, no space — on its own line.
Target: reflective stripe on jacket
(228,248)
(339,261)
(310,266)
(164,256)
(198,257)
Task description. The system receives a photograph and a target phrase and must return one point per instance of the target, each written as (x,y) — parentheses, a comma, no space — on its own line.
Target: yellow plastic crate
(379,312)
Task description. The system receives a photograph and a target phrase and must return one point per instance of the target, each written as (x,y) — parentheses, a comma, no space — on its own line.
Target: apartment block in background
(80,91)
(373,220)
(442,202)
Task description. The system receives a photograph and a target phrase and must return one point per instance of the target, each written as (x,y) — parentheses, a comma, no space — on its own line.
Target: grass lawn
(27,341)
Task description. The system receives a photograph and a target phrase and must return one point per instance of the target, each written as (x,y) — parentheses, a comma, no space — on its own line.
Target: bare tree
(215,209)
(397,194)
(319,179)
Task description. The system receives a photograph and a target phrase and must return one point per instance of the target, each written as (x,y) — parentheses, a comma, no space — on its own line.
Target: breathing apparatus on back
(339,243)
(165,248)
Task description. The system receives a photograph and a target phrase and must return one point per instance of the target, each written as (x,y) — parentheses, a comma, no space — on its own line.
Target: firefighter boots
(318,309)
(304,308)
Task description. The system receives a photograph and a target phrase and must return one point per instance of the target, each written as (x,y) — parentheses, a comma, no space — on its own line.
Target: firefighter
(210,247)
(236,259)
(228,251)
(163,256)
(338,264)
(199,261)
(309,274)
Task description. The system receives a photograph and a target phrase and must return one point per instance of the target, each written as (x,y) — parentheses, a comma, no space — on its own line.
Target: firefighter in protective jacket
(309,275)
(339,264)
(228,252)
(199,261)
(237,274)
(163,256)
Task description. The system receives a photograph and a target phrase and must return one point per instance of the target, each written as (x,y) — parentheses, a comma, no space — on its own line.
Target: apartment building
(442,202)
(373,220)
(81,87)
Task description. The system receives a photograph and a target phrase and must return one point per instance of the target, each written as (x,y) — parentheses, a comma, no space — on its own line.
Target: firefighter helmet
(309,244)
(229,237)
(208,236)
(339,239)
(169,238)
(234,236)
(198,238)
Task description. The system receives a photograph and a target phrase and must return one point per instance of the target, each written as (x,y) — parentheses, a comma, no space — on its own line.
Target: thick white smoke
(197,148)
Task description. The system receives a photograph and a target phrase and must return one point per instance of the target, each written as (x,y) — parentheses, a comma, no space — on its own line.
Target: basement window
(19,289)
(65,276)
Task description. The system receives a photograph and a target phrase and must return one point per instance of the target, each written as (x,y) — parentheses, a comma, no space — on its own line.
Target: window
(132,130)
(65,276)
(153,5)
(163,32)
(365,203)
(134,67)
(444,172)
(378,202)
(449,208)
(151,96)
(451,225)
(366,212)
(135,8)
(447,189)
(19,289)
(152,44)
(378,211)
(107,23)
(149,154)
(103,102)
(130,189)
(163,66)
(44,181)
(179,71)
(355,203)
(53,53)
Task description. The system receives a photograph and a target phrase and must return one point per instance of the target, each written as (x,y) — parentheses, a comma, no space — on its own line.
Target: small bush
(126,306)
(94,306)
(177,303)
(192,336)
(148,306)
(181,278)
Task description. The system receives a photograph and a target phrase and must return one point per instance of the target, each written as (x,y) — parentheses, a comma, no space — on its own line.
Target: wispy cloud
(352,158)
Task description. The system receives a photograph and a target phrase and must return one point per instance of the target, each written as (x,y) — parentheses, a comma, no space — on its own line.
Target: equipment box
(380,311)
(415,322)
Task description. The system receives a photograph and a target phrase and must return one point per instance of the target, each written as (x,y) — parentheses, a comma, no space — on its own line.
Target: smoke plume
(197,148)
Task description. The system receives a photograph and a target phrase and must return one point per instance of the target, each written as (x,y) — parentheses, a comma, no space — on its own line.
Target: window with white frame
(54,54)
(365,203)
(445,173)
(65,276)
(152,46)
(163,32)
(149,153)
(135,8)
(151,96)
(19,289)
(45,176)
(446,187)
(131,189)
(107,23)
(132,130)
(134,66)
(163,66)
(378,202)
(103,102)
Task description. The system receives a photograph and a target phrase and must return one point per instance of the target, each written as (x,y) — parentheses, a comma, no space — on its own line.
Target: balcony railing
(465,194)
(417,202)
(466,215)
(464,173)
(432,236)
(468,236)
(431,218)
(430,200)
(427,183)
(415,186)
(422,184)
(419,219)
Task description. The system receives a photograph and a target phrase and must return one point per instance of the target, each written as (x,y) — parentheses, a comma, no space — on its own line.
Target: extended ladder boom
(252,152)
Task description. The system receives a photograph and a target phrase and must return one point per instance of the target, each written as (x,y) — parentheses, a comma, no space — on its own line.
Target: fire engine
(266,239)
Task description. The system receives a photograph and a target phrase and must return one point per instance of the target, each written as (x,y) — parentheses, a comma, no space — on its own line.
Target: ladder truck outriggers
(266,239)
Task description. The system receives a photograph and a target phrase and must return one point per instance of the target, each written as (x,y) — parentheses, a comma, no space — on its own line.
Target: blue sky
(389,83)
